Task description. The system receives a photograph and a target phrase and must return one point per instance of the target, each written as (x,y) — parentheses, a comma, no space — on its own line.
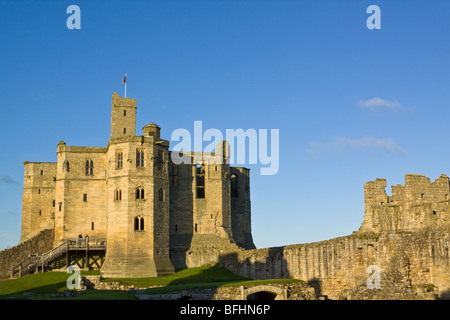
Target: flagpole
(125,85)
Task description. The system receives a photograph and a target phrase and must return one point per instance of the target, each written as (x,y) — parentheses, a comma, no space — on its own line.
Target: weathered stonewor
(406,236)
(40,243)
(135,193)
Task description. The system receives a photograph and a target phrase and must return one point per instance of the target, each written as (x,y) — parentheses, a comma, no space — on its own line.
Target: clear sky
(351,104)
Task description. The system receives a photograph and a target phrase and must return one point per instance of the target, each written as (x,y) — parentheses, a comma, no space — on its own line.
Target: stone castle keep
(132,194)
(157,216)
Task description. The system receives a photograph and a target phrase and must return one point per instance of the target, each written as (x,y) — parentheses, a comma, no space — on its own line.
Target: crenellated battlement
(417,204)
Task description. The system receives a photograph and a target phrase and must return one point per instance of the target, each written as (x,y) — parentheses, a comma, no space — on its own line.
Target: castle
(130,192)
(157,216)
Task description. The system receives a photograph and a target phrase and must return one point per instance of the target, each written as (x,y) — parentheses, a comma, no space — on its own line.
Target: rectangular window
(53,203)
(200,182)
(160,160)
(124,130)
(124,113)
(59,206)
(92,225)
(85,197)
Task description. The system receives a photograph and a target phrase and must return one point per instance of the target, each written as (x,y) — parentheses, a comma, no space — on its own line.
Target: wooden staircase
(34,262)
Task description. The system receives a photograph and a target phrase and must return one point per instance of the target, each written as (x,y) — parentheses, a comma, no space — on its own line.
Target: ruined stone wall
(416,205)
(40,243)
(332,266)
(241,224)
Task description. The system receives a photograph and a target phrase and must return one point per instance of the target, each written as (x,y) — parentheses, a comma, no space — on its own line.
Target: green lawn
(43,285)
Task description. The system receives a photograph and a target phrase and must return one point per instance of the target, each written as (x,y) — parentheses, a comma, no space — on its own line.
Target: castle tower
(123,117)
(137,199)
(38,202)
(241,207)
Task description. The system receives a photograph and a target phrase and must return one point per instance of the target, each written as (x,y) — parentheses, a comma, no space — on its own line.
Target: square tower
(123,117)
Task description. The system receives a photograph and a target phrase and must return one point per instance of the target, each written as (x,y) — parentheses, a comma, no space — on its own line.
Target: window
(200,182)
(118,195)
(85,197)
(139,193)
(65,167)
(40,213)
(138,223)
(92,225)
(173,175)
(160,160)
(124,113)
(234,186)
(59,206)
(53,204)
(42,172)
(195,228)
(119,159)
(176,228)
(39,191)
(89,167)
(124,130)
(161,194)
(139,157)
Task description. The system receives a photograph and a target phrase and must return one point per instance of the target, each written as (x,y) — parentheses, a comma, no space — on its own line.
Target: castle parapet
(417,204)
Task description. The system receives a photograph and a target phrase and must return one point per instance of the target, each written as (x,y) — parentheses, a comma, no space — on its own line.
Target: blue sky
(351,104)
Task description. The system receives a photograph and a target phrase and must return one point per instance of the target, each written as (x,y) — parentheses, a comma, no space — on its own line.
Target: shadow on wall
(266,264)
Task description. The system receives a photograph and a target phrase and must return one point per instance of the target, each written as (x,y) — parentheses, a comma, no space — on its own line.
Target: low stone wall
(39,244)
(290,291)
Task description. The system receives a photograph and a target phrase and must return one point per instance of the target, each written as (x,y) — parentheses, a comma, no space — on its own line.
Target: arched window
(136,224)
(139,192)
(234,186)
(139,223)
(119,159)
(65,167)
(89,167)
(139,157)
(161,194)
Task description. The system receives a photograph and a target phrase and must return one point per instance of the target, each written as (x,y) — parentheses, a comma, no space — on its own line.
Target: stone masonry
(406,235)
(158,216)
(131,193)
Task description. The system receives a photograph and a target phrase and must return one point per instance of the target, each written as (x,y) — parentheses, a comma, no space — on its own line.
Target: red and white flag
(124,80)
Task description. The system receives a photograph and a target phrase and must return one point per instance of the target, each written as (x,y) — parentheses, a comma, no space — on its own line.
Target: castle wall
(416,205)
(38,198)
(37,244)
(335,265)
(80,206)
